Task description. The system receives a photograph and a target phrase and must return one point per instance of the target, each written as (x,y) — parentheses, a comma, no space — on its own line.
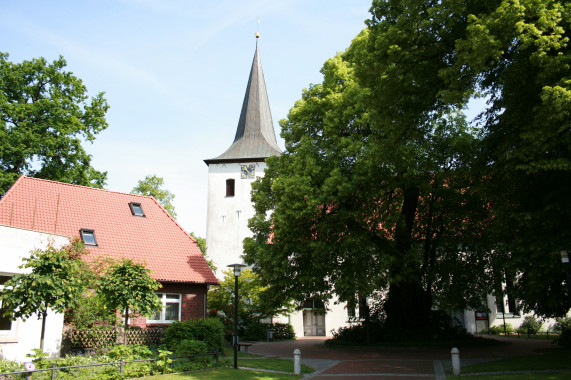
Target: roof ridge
(73,185)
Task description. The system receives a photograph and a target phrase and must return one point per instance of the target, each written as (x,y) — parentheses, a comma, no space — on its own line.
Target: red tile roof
(64,209)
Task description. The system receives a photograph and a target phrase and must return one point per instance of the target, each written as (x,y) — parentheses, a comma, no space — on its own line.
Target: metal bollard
(297,361)
(455,361)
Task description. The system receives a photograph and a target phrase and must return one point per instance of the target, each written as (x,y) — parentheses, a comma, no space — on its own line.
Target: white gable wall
(15,244)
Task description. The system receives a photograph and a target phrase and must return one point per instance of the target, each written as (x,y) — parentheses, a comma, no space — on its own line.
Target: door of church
(313,323)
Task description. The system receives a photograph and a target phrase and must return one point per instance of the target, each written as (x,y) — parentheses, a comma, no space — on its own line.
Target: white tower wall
(227,216)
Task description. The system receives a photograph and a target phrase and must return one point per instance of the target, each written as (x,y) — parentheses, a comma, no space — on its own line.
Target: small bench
(245,345)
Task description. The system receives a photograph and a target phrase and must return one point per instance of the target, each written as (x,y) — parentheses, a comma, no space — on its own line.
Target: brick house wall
(193,302)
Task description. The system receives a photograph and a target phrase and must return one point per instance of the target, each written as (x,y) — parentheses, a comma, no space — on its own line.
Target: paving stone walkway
(388,363)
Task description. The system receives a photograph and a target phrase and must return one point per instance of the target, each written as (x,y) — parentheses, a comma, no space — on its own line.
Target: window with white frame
(170,312)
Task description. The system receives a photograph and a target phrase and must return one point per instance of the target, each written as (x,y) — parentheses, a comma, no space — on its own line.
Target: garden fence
(99,338)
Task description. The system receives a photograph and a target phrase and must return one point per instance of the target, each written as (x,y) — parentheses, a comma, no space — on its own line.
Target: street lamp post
(237,270)
(565,261)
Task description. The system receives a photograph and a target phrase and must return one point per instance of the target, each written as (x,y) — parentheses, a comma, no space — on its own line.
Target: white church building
(230,177)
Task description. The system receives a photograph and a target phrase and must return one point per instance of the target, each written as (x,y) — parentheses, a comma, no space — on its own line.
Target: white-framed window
(172,305)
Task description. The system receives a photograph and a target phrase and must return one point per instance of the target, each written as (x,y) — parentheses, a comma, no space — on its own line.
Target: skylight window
(136,209)
(88,237)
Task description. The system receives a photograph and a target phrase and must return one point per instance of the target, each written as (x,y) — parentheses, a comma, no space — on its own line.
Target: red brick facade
(193,302)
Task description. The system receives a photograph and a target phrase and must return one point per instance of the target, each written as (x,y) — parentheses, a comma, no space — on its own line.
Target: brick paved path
(387,363)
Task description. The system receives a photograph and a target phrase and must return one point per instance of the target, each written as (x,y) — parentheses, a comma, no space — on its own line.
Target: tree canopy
(54,281)
(129,287)
(153,186)
(252,302)
(386,189)
(45,116)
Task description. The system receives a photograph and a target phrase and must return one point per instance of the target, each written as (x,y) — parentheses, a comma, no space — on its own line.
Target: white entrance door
(313,323)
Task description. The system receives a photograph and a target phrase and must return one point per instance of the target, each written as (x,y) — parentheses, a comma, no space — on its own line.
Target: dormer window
(136,209)
(88,237)
(230,183)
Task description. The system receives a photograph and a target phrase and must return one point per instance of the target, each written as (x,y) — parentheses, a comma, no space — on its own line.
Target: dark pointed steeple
(255,138)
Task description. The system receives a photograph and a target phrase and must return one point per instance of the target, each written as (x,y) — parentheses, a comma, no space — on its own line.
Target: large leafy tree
(128,287)
(384,188)
(373,193)
(45,116)
(54,282)
(518,55)
(153,186)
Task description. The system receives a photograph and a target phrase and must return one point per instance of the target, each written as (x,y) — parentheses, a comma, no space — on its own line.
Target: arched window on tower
(230,184)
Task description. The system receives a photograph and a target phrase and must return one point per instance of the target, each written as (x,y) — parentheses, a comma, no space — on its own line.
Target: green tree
(384,187)
(54,282)
(373,193)
(90,308)
(128,286)
(152,186)
(251,297)
(44,117)
(517,54)
(202,245)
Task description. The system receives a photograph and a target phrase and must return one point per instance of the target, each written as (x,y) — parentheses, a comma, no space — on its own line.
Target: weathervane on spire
(258,29)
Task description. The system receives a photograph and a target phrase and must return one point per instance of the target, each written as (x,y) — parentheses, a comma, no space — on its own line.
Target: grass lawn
(552,359)
(273,364)
(224,373)
(519,376)
(557,358)
(244,360)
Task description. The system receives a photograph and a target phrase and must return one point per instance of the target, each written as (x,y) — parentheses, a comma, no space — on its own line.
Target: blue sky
(174,73)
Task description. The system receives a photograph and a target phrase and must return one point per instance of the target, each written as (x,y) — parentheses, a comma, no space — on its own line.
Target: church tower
(231,174)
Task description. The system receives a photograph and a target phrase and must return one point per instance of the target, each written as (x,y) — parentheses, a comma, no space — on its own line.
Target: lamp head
(237,268)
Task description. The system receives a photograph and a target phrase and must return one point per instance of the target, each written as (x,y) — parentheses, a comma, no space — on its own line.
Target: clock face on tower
(248,171)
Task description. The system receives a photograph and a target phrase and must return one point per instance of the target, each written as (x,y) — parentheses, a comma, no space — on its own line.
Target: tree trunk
(364,312)
(44,314)
(407,306)
(126,317)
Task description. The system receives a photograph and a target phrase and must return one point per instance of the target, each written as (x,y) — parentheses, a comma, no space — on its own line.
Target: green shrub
(561,324)
(497,330)
(129,353)
(357,333)
(530,325)
(258,331)
(10,366)
(163,365)
(444,326)
(39,358)
(565,338)
(208,331)
(255,331)
(190,347)
(283,331)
